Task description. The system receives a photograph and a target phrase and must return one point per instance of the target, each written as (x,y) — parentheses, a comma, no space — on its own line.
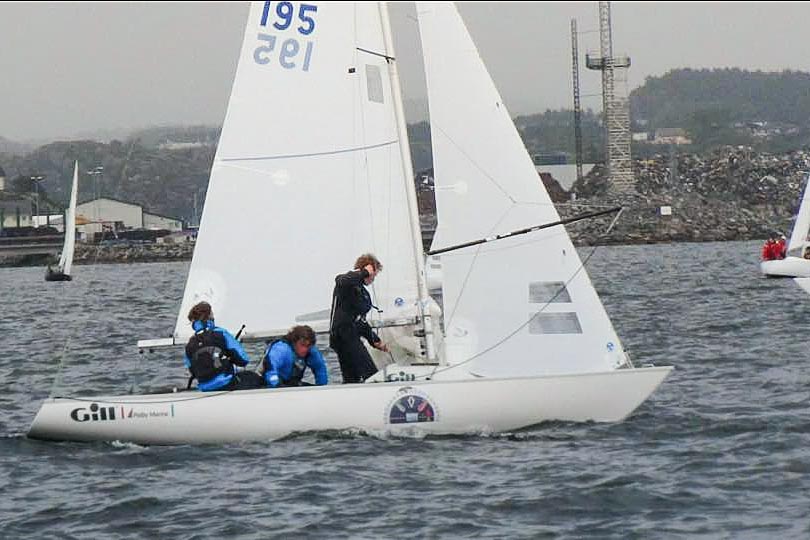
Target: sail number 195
(291,52)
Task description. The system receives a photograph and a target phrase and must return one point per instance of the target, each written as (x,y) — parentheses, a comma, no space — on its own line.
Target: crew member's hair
(297,333)
(201,312)
(367,258)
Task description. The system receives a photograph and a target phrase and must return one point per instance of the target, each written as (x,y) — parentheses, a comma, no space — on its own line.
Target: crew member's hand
(381,346)
(371,270)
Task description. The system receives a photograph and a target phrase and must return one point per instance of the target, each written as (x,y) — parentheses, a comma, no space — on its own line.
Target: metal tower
(577,105)
(615,105)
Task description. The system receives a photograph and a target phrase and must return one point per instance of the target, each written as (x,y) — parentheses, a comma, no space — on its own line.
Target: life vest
(350,304)
(298,368)
(206,351)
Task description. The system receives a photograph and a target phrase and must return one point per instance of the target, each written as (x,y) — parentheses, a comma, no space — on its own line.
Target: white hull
(787,267)
(431,407)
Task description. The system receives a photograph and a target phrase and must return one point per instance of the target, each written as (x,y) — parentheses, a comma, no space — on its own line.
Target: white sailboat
(313,168)
(62,272)
(794,264)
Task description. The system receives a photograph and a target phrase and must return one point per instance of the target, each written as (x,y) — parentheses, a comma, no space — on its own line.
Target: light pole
(95,172)
(35,179)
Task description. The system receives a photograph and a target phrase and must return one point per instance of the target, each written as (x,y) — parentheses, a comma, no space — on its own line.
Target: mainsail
(519,306)
(798,238)
(304,179)
(66,259)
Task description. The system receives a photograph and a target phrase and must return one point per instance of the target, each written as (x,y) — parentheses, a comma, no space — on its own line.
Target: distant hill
(160,168)
(166,135)
(162,180)
(770,110)
(553,131)
(163,167)
(737,94)
(12,147)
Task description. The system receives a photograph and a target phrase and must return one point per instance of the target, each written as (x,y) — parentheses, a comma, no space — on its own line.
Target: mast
(410,189)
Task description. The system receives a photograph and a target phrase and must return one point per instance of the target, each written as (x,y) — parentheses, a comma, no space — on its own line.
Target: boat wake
(123,445)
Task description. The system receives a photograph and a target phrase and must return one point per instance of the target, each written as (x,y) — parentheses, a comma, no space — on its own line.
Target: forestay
(66,259)
(798,238)
(308,173)
(519,306)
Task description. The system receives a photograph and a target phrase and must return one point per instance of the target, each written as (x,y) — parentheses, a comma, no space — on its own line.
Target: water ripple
(718,452)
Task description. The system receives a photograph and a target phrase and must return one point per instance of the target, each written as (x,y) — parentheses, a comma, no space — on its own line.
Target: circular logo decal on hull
(410,406)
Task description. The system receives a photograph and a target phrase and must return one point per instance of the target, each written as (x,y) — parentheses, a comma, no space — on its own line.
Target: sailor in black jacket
(350,303)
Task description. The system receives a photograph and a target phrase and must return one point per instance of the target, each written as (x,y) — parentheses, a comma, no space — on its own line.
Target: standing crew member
(350,303)
(212,353)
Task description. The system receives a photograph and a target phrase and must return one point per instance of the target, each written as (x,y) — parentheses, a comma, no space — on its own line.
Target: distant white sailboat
(313,168)
(795,264)
(62,273)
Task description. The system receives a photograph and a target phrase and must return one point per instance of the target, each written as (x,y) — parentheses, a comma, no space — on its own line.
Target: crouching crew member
(212,353)
(286,360)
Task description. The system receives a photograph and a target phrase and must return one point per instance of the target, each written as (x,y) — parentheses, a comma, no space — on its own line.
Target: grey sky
(72,68)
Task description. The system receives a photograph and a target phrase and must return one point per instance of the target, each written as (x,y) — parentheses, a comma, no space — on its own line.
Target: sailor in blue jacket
(212,352)
(286,360)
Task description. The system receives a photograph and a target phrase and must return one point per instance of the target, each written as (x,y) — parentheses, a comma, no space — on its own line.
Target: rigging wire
(503,190)
(449,320)
(60,364)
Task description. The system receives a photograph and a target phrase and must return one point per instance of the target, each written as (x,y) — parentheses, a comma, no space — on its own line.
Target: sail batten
(312,154)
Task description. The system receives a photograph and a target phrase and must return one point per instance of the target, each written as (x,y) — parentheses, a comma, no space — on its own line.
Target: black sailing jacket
(350,303)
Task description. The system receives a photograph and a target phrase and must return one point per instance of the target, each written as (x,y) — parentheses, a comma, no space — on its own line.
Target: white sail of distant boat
(312,170)
(63,272)
(794,264)
(798,237)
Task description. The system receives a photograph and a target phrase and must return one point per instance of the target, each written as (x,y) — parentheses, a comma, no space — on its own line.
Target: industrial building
(107,214)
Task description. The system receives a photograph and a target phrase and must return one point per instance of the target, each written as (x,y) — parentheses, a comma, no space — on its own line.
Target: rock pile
(732,194)
(103,254)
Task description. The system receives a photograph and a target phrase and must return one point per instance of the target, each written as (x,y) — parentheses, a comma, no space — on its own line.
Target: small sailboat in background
(525,338)
(62,273)
(795,264)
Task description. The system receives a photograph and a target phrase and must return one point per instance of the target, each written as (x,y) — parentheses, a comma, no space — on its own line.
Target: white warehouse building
(107,213)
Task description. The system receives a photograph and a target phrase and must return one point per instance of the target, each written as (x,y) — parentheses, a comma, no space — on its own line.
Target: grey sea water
(719,451)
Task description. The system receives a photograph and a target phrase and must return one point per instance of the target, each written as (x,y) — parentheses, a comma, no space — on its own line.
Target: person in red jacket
(780,249)
(768,250)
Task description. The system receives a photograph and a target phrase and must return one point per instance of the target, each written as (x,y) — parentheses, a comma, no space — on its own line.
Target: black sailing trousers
(356,364)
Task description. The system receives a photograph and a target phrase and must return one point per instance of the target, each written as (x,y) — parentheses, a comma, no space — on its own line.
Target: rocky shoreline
(111,254)
(732,194)
(141,253)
